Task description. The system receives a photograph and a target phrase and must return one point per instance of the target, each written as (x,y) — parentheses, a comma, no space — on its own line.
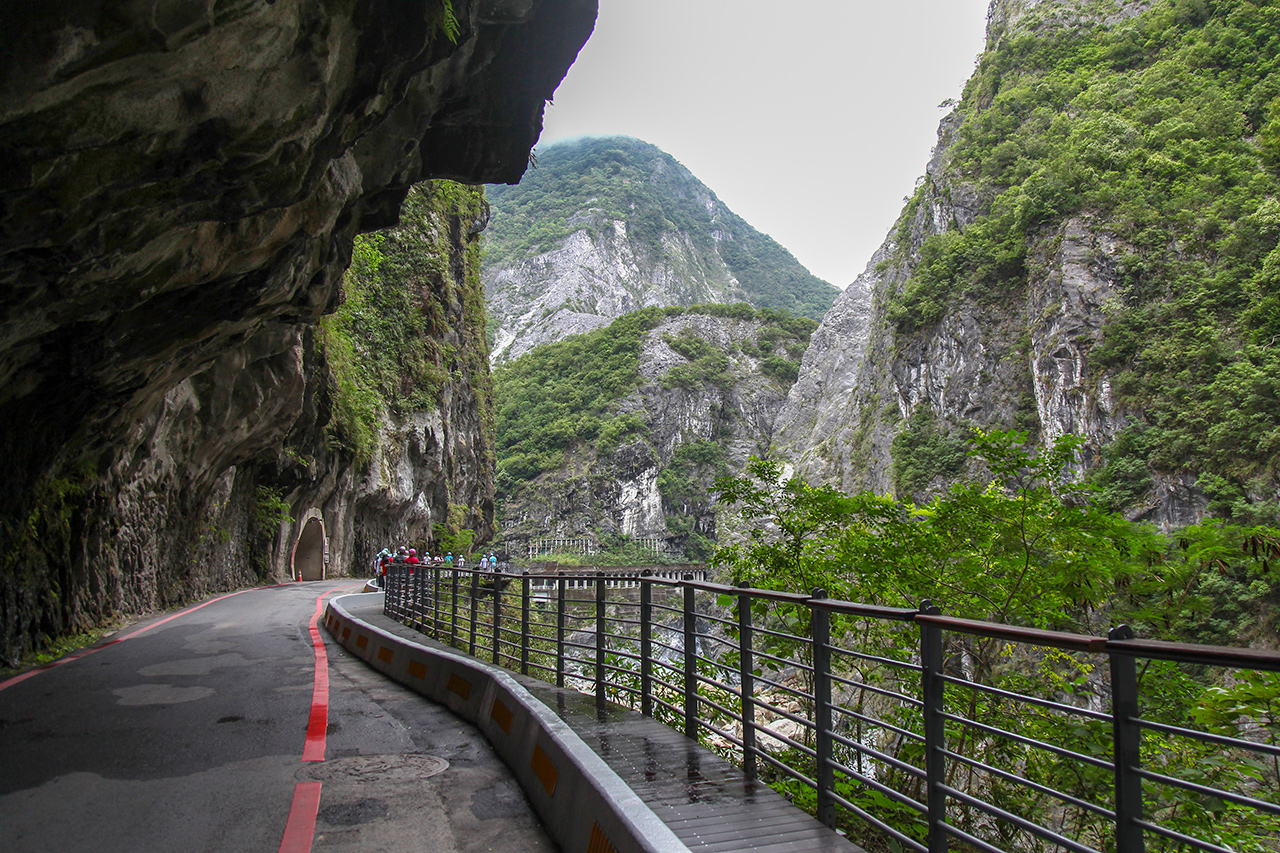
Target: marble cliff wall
(181,184)
(1020,362)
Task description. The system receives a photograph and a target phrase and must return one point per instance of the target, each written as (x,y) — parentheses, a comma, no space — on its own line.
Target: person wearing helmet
(412,559)
(448,560)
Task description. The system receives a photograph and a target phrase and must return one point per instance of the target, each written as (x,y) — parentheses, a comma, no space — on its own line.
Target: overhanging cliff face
(181,185)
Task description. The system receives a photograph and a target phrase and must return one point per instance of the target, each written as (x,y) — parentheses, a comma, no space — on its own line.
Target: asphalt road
(186,733)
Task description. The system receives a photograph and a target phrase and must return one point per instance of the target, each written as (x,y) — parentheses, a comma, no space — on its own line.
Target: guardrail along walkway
(907,725)
(706,802)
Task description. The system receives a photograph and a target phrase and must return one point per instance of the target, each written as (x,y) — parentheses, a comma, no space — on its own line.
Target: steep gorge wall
(1051,268)
(708,388)
(181,188)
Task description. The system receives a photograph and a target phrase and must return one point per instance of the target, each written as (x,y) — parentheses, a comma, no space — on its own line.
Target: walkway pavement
(702,798)
(186,732)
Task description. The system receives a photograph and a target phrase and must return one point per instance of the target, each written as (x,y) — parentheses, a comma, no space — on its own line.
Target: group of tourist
(386,558)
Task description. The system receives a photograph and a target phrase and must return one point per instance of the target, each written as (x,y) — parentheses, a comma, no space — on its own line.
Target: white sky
(810,119)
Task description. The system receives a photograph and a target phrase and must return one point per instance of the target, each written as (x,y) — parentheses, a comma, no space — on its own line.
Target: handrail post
(600,634)
(453,610)
(560,582)
(394,574)
(420,573)
(935,735)
(646,644)
(474,610)
(524,622)
(390,596)
(690,661)
(497,617)
(435,599)
(415,607)
(746,681)
(824,775)
(1127,745)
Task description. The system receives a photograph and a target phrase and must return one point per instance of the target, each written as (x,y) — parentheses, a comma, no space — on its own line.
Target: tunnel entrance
(308,552)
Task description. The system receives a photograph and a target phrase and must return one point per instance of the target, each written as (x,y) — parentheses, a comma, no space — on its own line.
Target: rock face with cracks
(180,184)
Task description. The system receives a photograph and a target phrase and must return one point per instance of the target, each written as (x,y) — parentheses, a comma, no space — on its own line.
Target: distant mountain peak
(607,225)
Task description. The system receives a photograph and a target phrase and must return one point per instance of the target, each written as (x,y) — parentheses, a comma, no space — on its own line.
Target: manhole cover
(375,768)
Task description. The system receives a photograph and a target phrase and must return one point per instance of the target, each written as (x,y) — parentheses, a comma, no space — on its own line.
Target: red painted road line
(318,722)
(301,827)
(85,652)
(59,662)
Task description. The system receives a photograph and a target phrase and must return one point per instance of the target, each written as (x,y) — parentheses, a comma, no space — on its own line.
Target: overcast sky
(811,119)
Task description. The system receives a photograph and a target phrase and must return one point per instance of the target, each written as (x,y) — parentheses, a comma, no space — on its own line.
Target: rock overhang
(178,176)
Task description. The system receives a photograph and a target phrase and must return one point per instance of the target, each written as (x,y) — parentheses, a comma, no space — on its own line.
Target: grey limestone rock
(180,185)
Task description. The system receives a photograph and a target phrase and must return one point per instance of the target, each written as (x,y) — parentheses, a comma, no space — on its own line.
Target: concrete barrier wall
(585,806)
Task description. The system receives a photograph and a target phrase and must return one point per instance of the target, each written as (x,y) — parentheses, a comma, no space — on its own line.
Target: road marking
(301,827)
(313,749)
(86,652)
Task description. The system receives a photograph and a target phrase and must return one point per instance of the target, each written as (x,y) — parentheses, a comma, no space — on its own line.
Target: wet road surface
(187,732)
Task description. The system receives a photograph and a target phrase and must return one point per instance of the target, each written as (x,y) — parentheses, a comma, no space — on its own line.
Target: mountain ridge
(608,225)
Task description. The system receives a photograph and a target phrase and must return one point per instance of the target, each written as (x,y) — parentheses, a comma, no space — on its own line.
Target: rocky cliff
(1091,250)
(182,183)
(619,434)
(610,225)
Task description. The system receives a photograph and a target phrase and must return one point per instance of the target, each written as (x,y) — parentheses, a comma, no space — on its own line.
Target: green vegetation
(444,20)
(684,487)
(60,646)
(562,397)
(270,510)
(708,364)
(592,183)
(924,450)
(44,535)
(450,535)
(396,340)
(1017,543)
(1164,131)
(1021,544)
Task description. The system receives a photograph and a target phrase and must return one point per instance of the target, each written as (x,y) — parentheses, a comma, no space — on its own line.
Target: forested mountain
(1093,250)
(618,433)
(605,226)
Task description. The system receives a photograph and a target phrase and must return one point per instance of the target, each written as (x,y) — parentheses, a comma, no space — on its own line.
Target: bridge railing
(932,731)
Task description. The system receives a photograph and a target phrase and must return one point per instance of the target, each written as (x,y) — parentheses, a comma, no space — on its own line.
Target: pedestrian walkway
(704,800)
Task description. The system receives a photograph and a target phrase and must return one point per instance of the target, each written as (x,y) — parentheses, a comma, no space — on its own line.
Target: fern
(445,21)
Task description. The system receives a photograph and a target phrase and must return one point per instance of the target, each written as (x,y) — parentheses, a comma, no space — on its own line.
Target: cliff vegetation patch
(390,347)
(1164,131)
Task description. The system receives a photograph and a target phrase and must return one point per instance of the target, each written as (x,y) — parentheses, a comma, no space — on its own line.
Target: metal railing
(907,729)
